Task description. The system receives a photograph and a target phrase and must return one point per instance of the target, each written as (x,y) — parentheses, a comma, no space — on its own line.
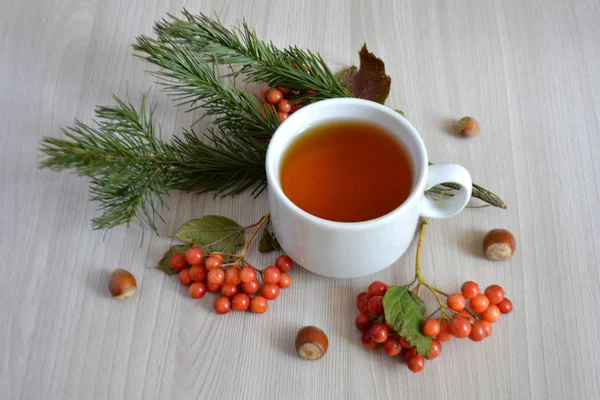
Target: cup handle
(448,206)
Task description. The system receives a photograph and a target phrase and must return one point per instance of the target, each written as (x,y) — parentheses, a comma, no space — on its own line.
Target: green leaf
(268,241)
(213,233)
(369,81)
(399,111)
(404,310)
(163,264)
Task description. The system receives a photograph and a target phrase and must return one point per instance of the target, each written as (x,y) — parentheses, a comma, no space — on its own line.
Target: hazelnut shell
(311,343)
(469,127)
(499,245)
(122,284)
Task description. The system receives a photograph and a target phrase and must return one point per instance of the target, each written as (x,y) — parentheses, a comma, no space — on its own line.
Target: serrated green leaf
(268,241)
(163,264)
(213,233)
(404,310)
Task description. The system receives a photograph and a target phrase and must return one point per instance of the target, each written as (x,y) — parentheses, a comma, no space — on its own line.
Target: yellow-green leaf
(404,310)
(213,233)
(268,241)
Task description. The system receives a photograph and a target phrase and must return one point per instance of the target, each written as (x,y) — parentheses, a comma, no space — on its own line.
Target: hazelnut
(311,343)
(499,245)
(468,127)
(122,284)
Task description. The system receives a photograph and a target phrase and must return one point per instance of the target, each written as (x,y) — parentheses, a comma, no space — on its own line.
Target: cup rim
(273,161)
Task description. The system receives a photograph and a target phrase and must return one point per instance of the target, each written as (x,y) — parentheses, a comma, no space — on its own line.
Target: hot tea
(346,171)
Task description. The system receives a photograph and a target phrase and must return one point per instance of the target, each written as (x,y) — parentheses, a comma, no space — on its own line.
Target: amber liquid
(346,171)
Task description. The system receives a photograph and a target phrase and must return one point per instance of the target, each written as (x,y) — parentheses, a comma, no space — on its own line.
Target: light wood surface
(529,71)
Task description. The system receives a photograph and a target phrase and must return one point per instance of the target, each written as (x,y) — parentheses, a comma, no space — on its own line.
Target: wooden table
(529,71)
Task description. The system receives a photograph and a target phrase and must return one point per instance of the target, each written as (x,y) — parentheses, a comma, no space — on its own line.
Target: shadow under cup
(344,249)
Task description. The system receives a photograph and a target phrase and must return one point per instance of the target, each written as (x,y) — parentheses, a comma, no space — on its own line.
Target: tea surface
(346,171)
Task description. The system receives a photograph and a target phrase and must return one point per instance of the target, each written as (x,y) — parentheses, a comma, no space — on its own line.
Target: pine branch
(477,192)
(258,61)
(192,81)
(131,170)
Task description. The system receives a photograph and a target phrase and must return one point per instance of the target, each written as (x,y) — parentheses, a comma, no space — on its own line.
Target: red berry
(229,290)
(197,290)
(505,306)
(367,341)
(184,277)
(392,347)
(407,353)
(379,333)
(274,96)
(363,321)
(436,349)
(445,335)
(362,302)
(222,305)
(232,275)
(479,303)
(250,287)
(467,315)
(492,314)
(178,261)
(216,276)
(285,280)
(487,326)
(404,343)
(375,305)
(214,261)
(271,275)
(284,90)
(240,302)
(495,293)
(460,327)
(377,288)
(198,273)
(431,327)
(469,289)
(282,116)
(258,304)
(211,287)
(194,255)
(247,274)
(456,302)
(263,94)
(416,363)
(284,263)
(478,332)
(270,291)
(284,106)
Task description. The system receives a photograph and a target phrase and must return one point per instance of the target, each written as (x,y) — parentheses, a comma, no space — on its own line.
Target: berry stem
(254,232)
(421,280)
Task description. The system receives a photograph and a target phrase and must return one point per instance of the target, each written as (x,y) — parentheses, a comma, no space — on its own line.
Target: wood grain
(529,71)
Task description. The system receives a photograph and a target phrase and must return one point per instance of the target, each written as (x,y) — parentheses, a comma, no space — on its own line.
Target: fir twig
(257,60)
(192,81)
(131,170)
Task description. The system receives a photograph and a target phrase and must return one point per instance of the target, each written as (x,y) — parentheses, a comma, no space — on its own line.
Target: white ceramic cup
(353,249)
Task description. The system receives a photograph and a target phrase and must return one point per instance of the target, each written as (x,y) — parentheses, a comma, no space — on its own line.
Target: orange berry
(492,314)
(479,303)
(431,327)
(456,302)
(494,293)
(469,289)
